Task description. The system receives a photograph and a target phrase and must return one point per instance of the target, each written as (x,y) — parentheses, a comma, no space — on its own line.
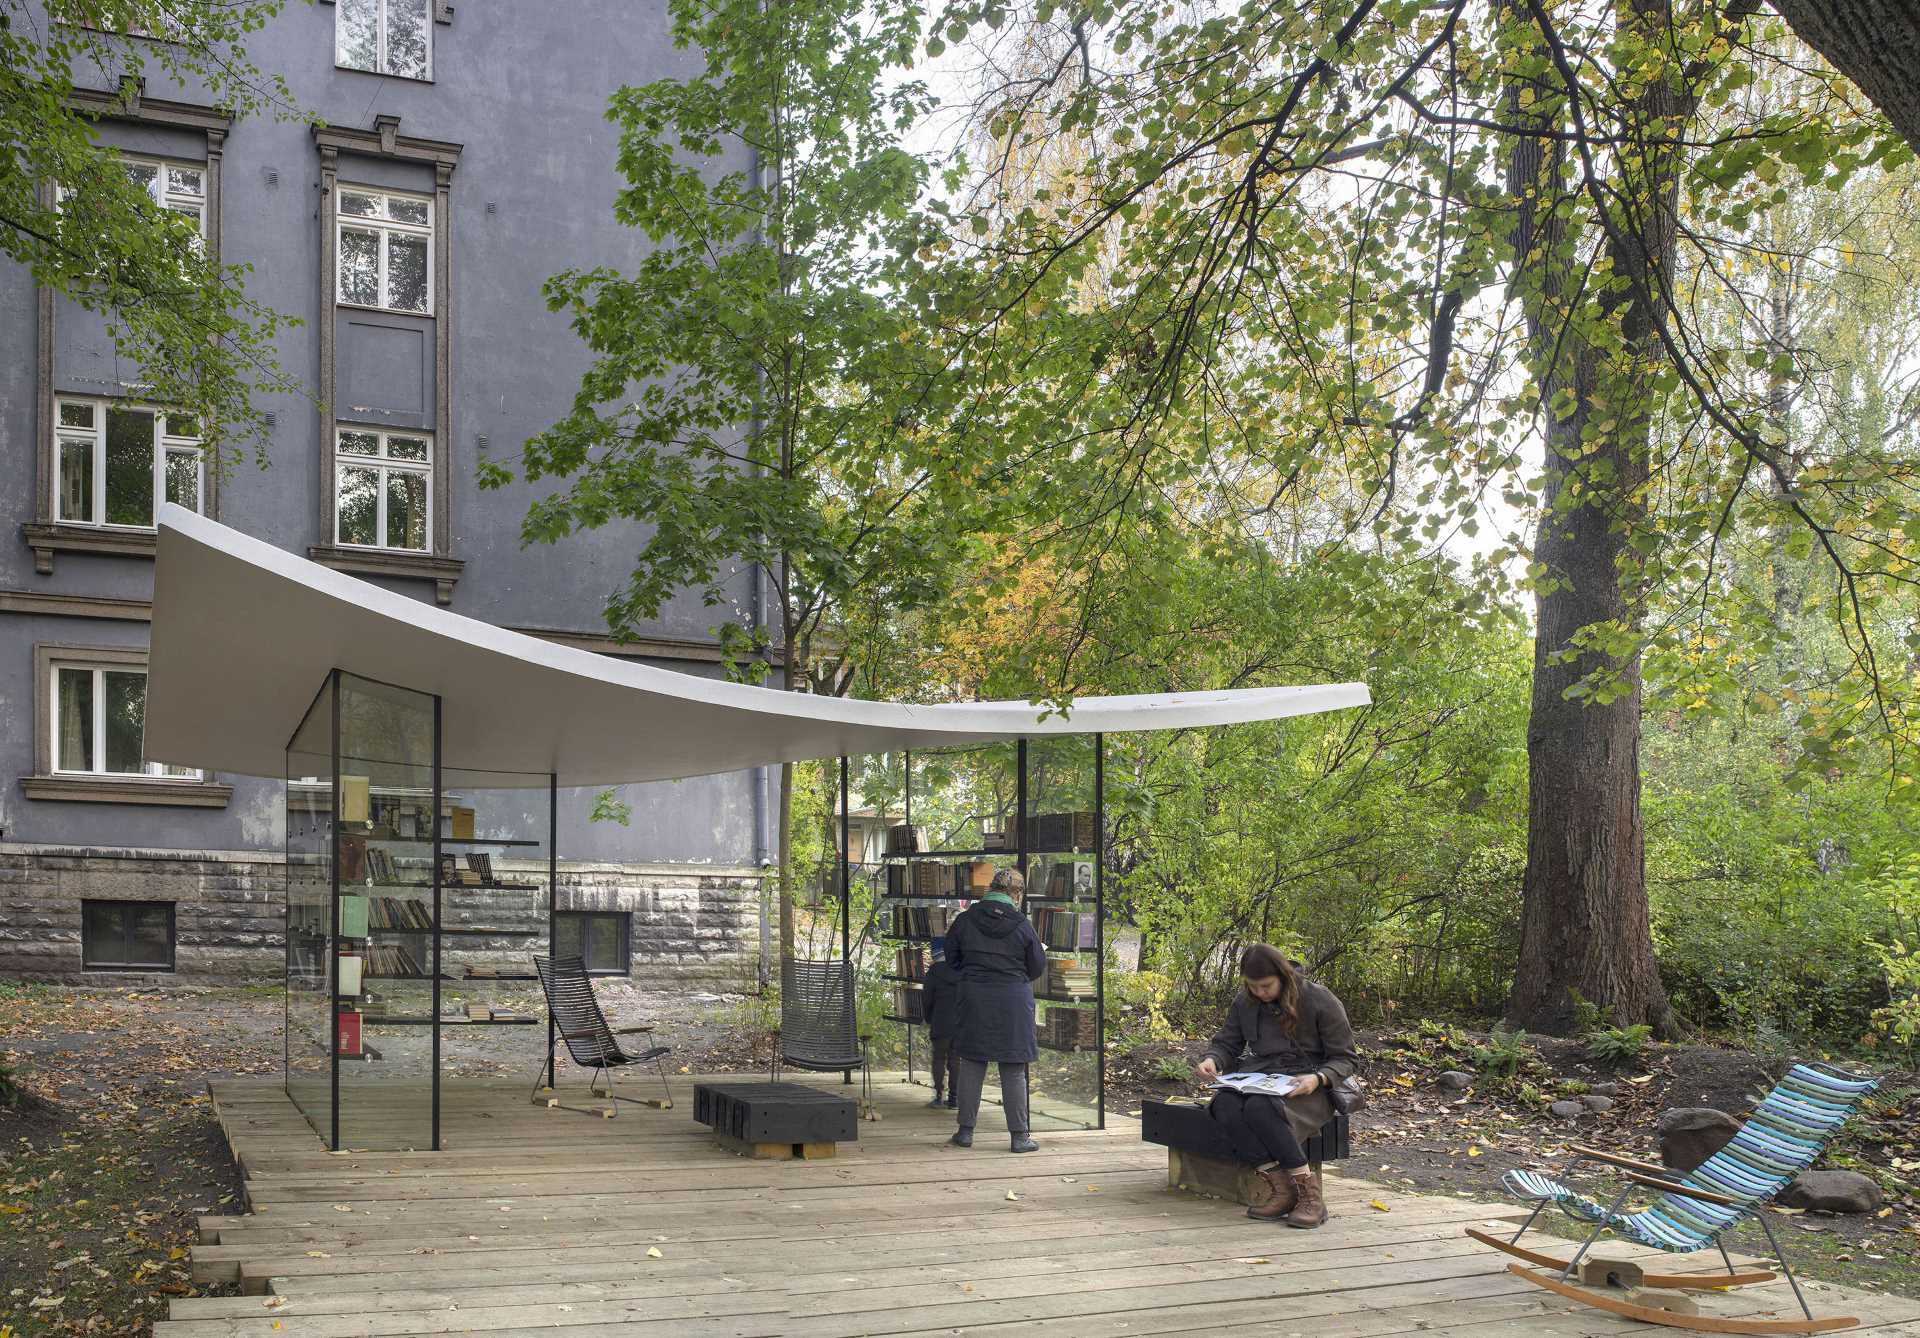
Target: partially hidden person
(941,1004)
(998,956)
(1280,1021)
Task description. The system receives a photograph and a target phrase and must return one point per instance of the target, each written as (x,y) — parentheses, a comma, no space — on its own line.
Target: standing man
(998,956)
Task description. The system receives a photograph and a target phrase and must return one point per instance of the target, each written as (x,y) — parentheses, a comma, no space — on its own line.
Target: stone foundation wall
(690,927)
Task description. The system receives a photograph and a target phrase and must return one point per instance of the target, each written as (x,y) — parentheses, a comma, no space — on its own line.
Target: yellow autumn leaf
(1473,1152)
(653,1252)
(1378,1206)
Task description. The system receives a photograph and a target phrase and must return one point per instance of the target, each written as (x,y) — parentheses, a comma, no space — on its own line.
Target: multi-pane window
(385,249)
(127,935)
(117,462)
(598,936)
(178,187)
(100,722)
(381,489)
(384,36)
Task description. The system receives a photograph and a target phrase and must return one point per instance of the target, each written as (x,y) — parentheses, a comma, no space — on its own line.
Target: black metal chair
(817,1030)
(592,1043)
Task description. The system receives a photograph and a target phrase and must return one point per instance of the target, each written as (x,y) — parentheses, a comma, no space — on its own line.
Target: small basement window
(598,936)
(126,935)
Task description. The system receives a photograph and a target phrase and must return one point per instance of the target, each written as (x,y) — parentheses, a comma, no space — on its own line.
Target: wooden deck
(563,1224)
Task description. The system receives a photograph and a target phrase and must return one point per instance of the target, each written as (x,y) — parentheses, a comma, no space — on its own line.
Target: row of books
(386,913)
(921,921)
(1065,930)
(1062,831)
(393,960)
(909,1003)
(910,961)
(1069,977)
(928,879)
(1066,880)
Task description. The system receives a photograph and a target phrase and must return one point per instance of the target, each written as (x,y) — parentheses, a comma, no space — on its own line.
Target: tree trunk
(1584,926)
(1875,43)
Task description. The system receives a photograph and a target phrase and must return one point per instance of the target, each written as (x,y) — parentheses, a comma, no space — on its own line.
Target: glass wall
(385,828)
(309,925)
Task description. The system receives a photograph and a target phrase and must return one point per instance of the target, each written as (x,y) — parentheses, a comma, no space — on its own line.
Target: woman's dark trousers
(1258,1128)
(971,1076)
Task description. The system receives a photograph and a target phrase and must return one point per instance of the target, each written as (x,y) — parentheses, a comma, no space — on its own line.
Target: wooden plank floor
(567,1225)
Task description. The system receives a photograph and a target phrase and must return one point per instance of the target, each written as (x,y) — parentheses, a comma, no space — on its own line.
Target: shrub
(1618,1045)
(1170,1069)
(1504,1054)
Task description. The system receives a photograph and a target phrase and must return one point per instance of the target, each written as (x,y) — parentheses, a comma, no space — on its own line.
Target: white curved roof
(244,633)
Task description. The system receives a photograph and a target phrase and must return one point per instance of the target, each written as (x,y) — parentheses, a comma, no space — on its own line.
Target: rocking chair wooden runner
(592,1043)
(1782,1137)
(818,1030)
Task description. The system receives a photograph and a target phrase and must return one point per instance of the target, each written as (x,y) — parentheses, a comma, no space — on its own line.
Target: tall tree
(760,388)
(94,232)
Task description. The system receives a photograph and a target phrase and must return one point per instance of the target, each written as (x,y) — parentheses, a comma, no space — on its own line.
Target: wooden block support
(1215,1178)
(1674,1303)
(1611,1273)
(775,1151)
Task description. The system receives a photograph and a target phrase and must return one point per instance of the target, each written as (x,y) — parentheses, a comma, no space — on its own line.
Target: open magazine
(1258,1084)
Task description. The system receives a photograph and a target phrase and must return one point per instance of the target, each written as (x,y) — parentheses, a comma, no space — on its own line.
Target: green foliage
(1618,1045)
(609,807)
(71,214)
(1137,1003)
(1587,1017)
(1899,957)
(1170,1069)
(1504,1055)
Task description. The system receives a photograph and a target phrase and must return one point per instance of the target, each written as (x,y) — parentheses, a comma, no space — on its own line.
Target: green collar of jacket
(998,896)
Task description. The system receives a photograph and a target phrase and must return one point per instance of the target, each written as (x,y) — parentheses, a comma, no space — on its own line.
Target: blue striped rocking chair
(1783,1136)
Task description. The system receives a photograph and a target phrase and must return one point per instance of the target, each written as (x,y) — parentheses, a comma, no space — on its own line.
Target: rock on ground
(1832,1192)
(1690,1134)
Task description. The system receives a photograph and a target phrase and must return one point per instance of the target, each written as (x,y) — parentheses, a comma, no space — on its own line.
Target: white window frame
(148,770)
(382,464)
(165,443)
(161,192)
(383,226)
(380,61)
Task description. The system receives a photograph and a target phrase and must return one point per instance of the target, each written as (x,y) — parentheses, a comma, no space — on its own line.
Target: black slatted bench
(775,1119)
(1199,1157)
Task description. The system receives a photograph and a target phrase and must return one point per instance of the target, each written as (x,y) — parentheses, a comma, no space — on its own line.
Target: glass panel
(126,722)
(180,425)
(569,936)
(406,448)
(356,35)
(76,480)
(183,479)
(406,272)
(129,467)
(386,750)
(144,175)
(183,181)
(104,933)
(74,726)
(75,415)
(359,506)
(403,210)
(150,942)
(309,825)
(359,204)
(605,943)
(360,443)
(406,509)
(360,266)
(407,29)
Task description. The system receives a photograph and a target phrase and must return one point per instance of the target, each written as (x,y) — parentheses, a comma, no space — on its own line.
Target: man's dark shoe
(962,1138)
(938,1103)
(1280,1198)
(1024,1143)
(952,1104)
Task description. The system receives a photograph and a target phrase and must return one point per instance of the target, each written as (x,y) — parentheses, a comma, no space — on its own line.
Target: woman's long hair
(1261,961)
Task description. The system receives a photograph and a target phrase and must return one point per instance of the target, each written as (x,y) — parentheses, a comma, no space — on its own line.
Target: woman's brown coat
(1321,1042)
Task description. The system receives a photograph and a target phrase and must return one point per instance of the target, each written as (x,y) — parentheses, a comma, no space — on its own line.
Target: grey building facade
(462,157)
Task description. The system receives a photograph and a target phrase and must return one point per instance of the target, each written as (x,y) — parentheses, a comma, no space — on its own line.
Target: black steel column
(1020,810)
(333,921)
(1100,924)
(435,968)
(553,889)
(846,871)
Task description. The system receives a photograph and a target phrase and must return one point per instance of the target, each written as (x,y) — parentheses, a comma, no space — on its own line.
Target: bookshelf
(412,907)
(1036,805)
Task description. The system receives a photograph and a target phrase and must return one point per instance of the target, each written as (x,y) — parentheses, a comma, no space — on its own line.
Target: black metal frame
(331,684)
(1019,849)
(173,935)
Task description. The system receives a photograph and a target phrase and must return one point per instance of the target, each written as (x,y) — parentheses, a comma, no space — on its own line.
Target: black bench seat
(1199,1156)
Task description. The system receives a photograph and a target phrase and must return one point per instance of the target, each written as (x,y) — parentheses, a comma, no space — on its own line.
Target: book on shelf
(353,916)
(482,972)
(350,967)
(478,1012)
(909,1002)
(922,921)
(380,866)
(399,913)
(1063,929)
(460,822)
(356,798)
(393,960)
(904,839)
(910,961)
(480,864)
(1062,831)
(1069,977)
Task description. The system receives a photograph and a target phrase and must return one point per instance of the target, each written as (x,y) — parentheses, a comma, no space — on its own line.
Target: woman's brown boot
(1280,1202)
(1310,1206)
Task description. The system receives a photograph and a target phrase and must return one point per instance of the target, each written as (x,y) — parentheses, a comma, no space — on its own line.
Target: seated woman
(1288,1024)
